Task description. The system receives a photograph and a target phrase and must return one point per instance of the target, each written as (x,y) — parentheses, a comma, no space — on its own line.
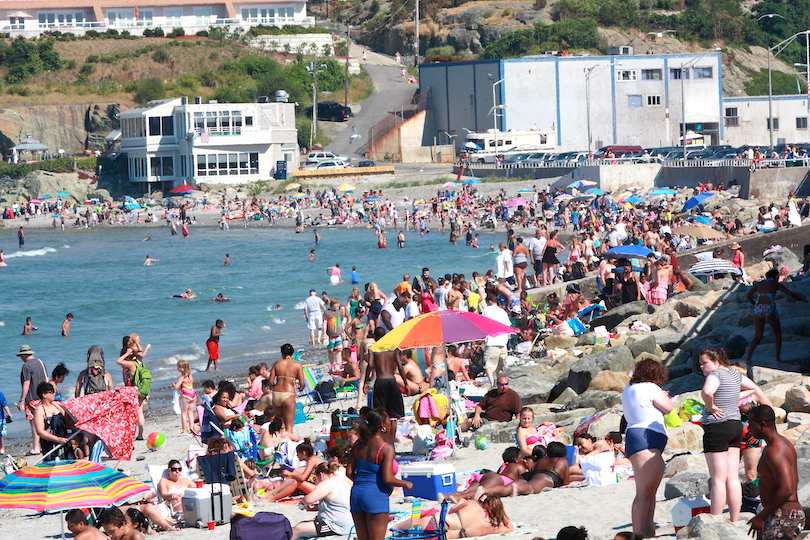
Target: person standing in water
(213,344)
(317,237)
(29,326)
(149,261)
(66,325)
(334,274)
(21,236)
(227,259)
(400,240)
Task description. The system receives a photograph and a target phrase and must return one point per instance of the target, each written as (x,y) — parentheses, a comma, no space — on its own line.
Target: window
(679,73)
(202,16)
(731,118)
(801,122)
(653,100)
(161,166)
(634,100)
(775,123)
(133,127)
(625,75)
(703,72)
(173,17)
(232,164)
(650,74)
(161,125)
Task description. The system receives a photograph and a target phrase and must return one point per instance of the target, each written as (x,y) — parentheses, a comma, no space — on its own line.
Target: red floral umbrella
(182,188)
(112,416)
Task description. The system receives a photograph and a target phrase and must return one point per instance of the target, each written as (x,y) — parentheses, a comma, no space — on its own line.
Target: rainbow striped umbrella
(54,486)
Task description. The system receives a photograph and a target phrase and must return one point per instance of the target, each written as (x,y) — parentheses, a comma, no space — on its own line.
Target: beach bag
(143,380)
(262,526)
(95,376)
(325,391)
(693,406)
(672,419)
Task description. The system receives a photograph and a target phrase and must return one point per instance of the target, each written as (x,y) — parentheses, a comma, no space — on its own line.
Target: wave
(31,253)
(2,323)
(267,328)
(299,305)
(276,320)
(65,246)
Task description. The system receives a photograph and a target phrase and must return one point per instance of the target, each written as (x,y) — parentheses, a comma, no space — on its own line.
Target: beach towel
(431,406)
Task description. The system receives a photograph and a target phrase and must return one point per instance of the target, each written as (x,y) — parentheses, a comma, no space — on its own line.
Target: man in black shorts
(386,394)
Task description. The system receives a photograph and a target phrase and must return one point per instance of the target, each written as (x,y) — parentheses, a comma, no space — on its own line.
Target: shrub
(153,32)
(149,90)
(93,59)
(176,32)
(87,69)
(375,7)
(161,56)
(202,33)
(539,4)
(20,90)
(92,34)
(487,14)
(506,13)
(444,50)
(71,64)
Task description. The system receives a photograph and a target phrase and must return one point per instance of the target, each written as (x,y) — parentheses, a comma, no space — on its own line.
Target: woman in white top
(332,495)
(645,405)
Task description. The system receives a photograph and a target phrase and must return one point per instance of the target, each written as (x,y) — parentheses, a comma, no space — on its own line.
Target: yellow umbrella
(347,187)
(294,185)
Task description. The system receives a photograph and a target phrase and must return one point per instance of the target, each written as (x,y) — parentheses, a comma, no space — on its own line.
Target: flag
(204,135)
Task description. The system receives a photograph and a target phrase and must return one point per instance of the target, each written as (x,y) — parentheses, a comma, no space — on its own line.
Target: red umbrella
(182,188)
(112,416)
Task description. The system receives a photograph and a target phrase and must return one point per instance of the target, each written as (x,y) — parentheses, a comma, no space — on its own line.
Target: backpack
(95,376)
(262,526)
(325,391)
(143,380)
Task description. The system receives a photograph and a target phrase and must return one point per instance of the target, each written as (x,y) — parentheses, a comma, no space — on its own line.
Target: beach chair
(312,398)
(209,425)
(416,533)
(224,469)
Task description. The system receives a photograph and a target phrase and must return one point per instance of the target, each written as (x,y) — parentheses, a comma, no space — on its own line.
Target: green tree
(784,84)
(149,90)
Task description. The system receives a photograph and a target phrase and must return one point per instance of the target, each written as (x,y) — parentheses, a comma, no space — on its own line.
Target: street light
(588,72)
(313,68)
(495,108)
(778,48)
(684,68)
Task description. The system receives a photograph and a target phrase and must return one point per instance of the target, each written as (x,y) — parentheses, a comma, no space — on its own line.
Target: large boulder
(570,417)
(685,462)
(777,392)
(565,396)
(497,432)
(735,346)
(597,399)
(643,345)
(610,381)
(605,424)
(532,383)
(687,484)
(615,316)
(686,437)
(687,383)
(764,375)
(711,527)
(797,399)
(797,419)
(660,319)
(560,342)
(584,370)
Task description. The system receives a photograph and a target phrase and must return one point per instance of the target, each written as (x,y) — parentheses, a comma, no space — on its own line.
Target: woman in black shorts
(722,391)
(550,261)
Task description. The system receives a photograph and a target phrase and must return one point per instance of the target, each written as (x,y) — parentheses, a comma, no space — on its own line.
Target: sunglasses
(175,469)
(503,384)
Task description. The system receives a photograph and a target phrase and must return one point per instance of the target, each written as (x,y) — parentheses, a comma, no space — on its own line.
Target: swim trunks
(213,349)
(315,322)
(386,395)
(784,524)
(335,344)
(638,439)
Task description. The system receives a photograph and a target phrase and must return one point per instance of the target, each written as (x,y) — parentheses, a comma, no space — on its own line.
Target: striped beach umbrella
(54,486)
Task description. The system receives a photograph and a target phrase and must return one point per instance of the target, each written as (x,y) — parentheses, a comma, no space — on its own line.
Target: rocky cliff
(73,128)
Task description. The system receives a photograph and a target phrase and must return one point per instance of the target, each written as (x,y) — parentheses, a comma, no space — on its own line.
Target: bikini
(765,309)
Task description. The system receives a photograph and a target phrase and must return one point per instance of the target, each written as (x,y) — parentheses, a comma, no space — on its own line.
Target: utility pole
(416,37)
(313,69)
(346,94)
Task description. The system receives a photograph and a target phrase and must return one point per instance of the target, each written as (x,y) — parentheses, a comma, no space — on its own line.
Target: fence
(397,117)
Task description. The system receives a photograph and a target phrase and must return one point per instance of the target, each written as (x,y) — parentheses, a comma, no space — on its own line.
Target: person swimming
(220,298)
(188,295)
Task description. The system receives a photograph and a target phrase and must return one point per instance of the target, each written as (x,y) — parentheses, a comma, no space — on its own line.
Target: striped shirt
(727,396)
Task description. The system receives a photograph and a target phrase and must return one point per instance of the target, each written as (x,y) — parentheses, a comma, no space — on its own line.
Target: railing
(398,116)
(677,163)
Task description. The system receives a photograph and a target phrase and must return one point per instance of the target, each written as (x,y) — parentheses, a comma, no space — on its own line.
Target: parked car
(316,156)
(332,111)
(366,163)
(570,157)
(328,164)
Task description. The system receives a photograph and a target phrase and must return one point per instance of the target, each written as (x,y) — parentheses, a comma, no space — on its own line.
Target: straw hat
(25,349)
(735,245)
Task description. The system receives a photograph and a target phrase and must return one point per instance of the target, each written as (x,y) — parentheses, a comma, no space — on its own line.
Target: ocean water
(98,275)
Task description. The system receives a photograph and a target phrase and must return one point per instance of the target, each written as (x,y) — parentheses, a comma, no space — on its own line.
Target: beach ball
(156,440)
(482,443)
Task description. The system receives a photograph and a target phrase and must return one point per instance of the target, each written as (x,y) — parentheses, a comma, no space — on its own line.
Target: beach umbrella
(471,146)
(449,184)
(371,199)
(347,187)
(696,200)
(112,416)
(705,220)
(46,196)
(182,188)
(299,196)
(698,230)
(634,199)
(563,197)
(525,191)
(711,267)
(583,197)
(581,183)
(626,251)
(595,191)
(663,191)
(130,203)
(64,194)
(517,202)
(294,185)
(440,327)
(472,181)
(35,201)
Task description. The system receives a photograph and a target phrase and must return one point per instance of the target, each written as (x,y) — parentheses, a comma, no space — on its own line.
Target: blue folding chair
(420,534)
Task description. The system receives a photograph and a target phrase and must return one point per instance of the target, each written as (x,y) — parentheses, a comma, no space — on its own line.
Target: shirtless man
(414,381)
(605,272)
(171,489)
(188,295)
(81,529)
(363,356)
(149,260)
(66,325)
(29,326)
(283,376)
(220,298)
(455,296)
(651,239)
(782,515)
(227,259)
(386,395)
(213,344)
(116,526)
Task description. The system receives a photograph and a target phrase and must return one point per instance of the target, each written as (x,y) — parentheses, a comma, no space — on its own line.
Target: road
(389,92)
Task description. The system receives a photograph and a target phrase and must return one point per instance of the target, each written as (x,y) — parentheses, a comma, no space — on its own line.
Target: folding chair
(416,533)
(312,399)
(209,425)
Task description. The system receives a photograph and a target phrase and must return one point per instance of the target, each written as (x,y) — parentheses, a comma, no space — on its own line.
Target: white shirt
(315,307)
(504,267)
(411,310)
(397,315)
(639,409)
(440,296)
(536,246)
(497,314)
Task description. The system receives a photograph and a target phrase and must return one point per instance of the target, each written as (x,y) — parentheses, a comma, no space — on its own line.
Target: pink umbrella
(517,202)
(439,327)
(112,416)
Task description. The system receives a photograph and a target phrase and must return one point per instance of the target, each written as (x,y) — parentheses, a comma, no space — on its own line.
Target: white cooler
(685,509)
(200,505)
(429,479)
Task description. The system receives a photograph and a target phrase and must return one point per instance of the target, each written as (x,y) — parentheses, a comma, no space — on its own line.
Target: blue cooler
(429,479)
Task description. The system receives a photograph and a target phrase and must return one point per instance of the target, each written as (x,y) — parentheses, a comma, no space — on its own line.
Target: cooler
(198,506)
(685,509)
(429,479)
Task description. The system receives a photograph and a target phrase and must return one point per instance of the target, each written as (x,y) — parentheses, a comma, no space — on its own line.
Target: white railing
(677,163)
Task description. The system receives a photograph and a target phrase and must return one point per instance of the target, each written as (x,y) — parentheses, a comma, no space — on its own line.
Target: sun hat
(25,349)
(735,245)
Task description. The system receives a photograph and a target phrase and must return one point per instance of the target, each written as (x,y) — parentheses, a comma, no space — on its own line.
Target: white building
(595,101)
(30,18)
(171,141)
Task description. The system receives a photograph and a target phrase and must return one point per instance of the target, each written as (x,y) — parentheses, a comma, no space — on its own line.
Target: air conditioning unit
(624,50)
